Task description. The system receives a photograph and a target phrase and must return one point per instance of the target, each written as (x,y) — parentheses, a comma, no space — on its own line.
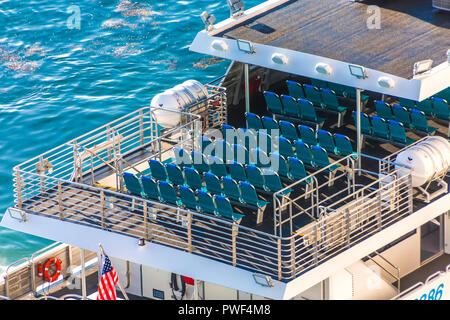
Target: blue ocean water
(67,67)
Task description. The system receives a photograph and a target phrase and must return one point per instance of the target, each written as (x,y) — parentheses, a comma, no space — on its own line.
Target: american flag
(107,285)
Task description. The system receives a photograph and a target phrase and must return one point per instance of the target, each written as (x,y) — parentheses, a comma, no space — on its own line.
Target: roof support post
(247,88)
(358,127)
(83,274)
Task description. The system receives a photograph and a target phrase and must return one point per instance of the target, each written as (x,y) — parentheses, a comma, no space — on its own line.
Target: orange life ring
(55,276)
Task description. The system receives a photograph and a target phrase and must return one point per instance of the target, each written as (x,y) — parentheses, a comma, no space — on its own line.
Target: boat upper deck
(409,31)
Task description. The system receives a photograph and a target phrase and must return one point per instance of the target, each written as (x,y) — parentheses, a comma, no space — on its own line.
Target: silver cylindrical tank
(427,159)
(177,99)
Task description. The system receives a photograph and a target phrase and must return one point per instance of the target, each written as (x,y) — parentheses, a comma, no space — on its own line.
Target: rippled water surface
(59,79)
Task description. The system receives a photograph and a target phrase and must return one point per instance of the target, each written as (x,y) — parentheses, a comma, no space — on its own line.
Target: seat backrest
(297,168)
(199,161)
(265,142)
(312,94)
(206,202)
(273,102)
(441,108)
(320,156)
(182,158)
(338,88)
(273,181)
(401,114)
(397,131)
(303,153)
(320,84)
(444,94)
(255,176)
(229,134)
(343,144)
(247,138)
(150,187)
(132,183)
(205,143)
(279,164)
(326,140)
(168,193)
(259,158)
(285,147)
(157,169)
(366,126)
(308,135)
(223,150)
(175,174)
(241,154)
(217,166)
(425,106)
(380,127)
(307,110)
(188,198)
(383,110)
(290,106)
(408,104)
(253,121)
(193,178)
(212,183)
(248,192)
(419,120)
(223,207)
(288,130)
(231,189)
(295,89)
(329,98)
(270,124)
(237,171)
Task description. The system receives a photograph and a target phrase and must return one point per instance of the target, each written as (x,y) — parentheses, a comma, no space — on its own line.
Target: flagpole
(118,282)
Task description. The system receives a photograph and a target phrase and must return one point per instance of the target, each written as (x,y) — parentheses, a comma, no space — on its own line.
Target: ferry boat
(315,168)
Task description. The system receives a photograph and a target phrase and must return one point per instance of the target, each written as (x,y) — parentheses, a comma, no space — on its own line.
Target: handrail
(4,298)
(397,277)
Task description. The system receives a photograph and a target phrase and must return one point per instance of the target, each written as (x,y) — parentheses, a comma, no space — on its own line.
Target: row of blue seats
(336,144)
(411,119)
(444,94)
(165,192)
(377,128)
(432,107)
(339,89)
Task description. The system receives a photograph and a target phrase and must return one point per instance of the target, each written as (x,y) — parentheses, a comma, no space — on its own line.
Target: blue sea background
(58,82)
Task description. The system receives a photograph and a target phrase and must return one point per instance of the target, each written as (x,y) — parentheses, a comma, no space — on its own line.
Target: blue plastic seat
(158,170)
(397,133)
(285,147)
(151,190)
(290,106)
(273,102)
(206,145)
(401,114)
(338,88)
(265,142)
(297,169)
(441,108)
(250,198)
(288,130)
(309,113)
(279,164)
(231,189)
(193,178)
(313,94)
(224,209)
(247,138)
(253,121)
(132,184)
(182,158)
(331,103)
(168,193)
(295,89)
(212,182)
(241,154)
(303,153)
(217,166)
(237,171)
(199,161)
(223,150)
(229,134)
(188,198)
(320,84)
(343,145)
(255,177)
(425,106)
(320,157)
(273,181)
(350,92)
(383,110)
(326,141)
(206,202)
(259,158)
(408,104)
(366,127)
(270,125)
(308,135)
(444,94)
(379,127)
(420,122)
(175,174)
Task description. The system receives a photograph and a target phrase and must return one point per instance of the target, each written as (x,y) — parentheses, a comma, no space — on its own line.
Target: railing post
(347,226)
(18,189)
(60,204)
(102,207)
(234,232)
(144,209)
(279,258)
(141,128)
(316,245)
(189,231)
(293,256)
